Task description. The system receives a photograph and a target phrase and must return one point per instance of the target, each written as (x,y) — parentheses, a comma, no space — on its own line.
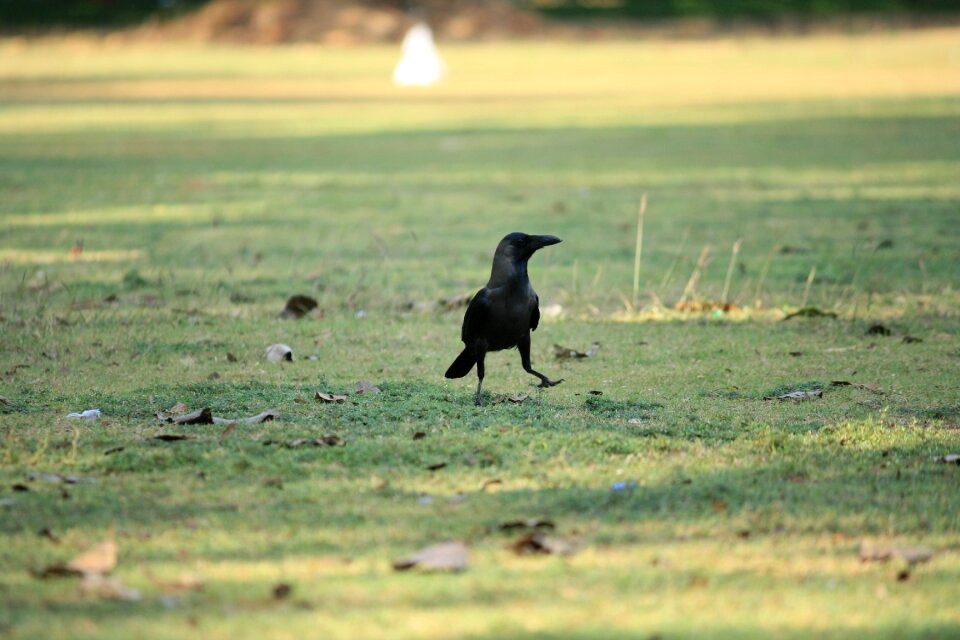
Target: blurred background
(790,150)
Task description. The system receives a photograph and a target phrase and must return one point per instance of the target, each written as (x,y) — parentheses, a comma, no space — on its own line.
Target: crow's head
(520,246)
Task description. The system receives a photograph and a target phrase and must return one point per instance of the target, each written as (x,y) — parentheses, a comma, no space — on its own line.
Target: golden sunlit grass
(158,203)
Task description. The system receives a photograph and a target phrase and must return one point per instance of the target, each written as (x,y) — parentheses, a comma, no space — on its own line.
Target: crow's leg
(480,357)
(524,347)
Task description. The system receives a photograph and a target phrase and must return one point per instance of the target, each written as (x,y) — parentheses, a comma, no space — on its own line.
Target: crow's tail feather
(462,365)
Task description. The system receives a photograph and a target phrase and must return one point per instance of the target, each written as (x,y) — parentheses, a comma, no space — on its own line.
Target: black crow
(502,314)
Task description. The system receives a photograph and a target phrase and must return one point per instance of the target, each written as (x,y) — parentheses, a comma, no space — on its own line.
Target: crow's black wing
(476,316)
(535,314)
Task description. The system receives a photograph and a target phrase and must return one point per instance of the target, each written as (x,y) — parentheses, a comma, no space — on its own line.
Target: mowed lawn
(159,203)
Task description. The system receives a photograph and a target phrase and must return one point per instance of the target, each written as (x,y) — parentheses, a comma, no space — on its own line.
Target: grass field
(206,185)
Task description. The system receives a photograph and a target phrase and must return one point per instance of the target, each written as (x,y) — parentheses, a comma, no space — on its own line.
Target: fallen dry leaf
(801,395)
(858,385)
(47,533)
(567,352)
(529,523)
(536,543)
(810,312)
(110,452)
(365,386)
(878,330)
(171,437)
(266,416)
(231,357)
(298,306)
(281,591)
(437,466)
(279,353)
(201,416)
(101,586)
(908,339)
(228,431)
(329,397)
(910,555)
(493,482)
(447,556)
(101,558)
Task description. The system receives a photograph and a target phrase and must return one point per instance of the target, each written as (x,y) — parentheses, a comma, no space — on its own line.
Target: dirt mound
(342,22)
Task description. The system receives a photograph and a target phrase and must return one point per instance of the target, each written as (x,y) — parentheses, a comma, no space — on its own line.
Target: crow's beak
(539,242)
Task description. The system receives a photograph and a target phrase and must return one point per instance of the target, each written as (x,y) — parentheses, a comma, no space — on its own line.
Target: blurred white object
(89,414)
(420,65)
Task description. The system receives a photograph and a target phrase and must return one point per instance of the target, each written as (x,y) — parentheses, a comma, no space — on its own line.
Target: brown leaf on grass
(810,312)
(528,523)
(300,401)
(719,506)
(365,386)
(266,416)
(801,395)
(567,352)
(201,416)
(171,437)
(950,458)
(279,353)
(796,354)
(493,482)
(47,533)
(298,306)
(329,397)
(113,450)
(447,556)
(534,543)
(436,467)
(330,440)
(100,586)
(910,555)
(857,385)
(878,330)
(231,357)
(228,431)
(281,591)
(908,339)
(101,558)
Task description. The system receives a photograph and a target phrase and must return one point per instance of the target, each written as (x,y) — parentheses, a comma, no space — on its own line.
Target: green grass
(208,184)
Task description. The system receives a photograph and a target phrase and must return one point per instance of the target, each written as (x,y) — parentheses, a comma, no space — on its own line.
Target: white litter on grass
(89,414)
(279,353)
(420,65)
